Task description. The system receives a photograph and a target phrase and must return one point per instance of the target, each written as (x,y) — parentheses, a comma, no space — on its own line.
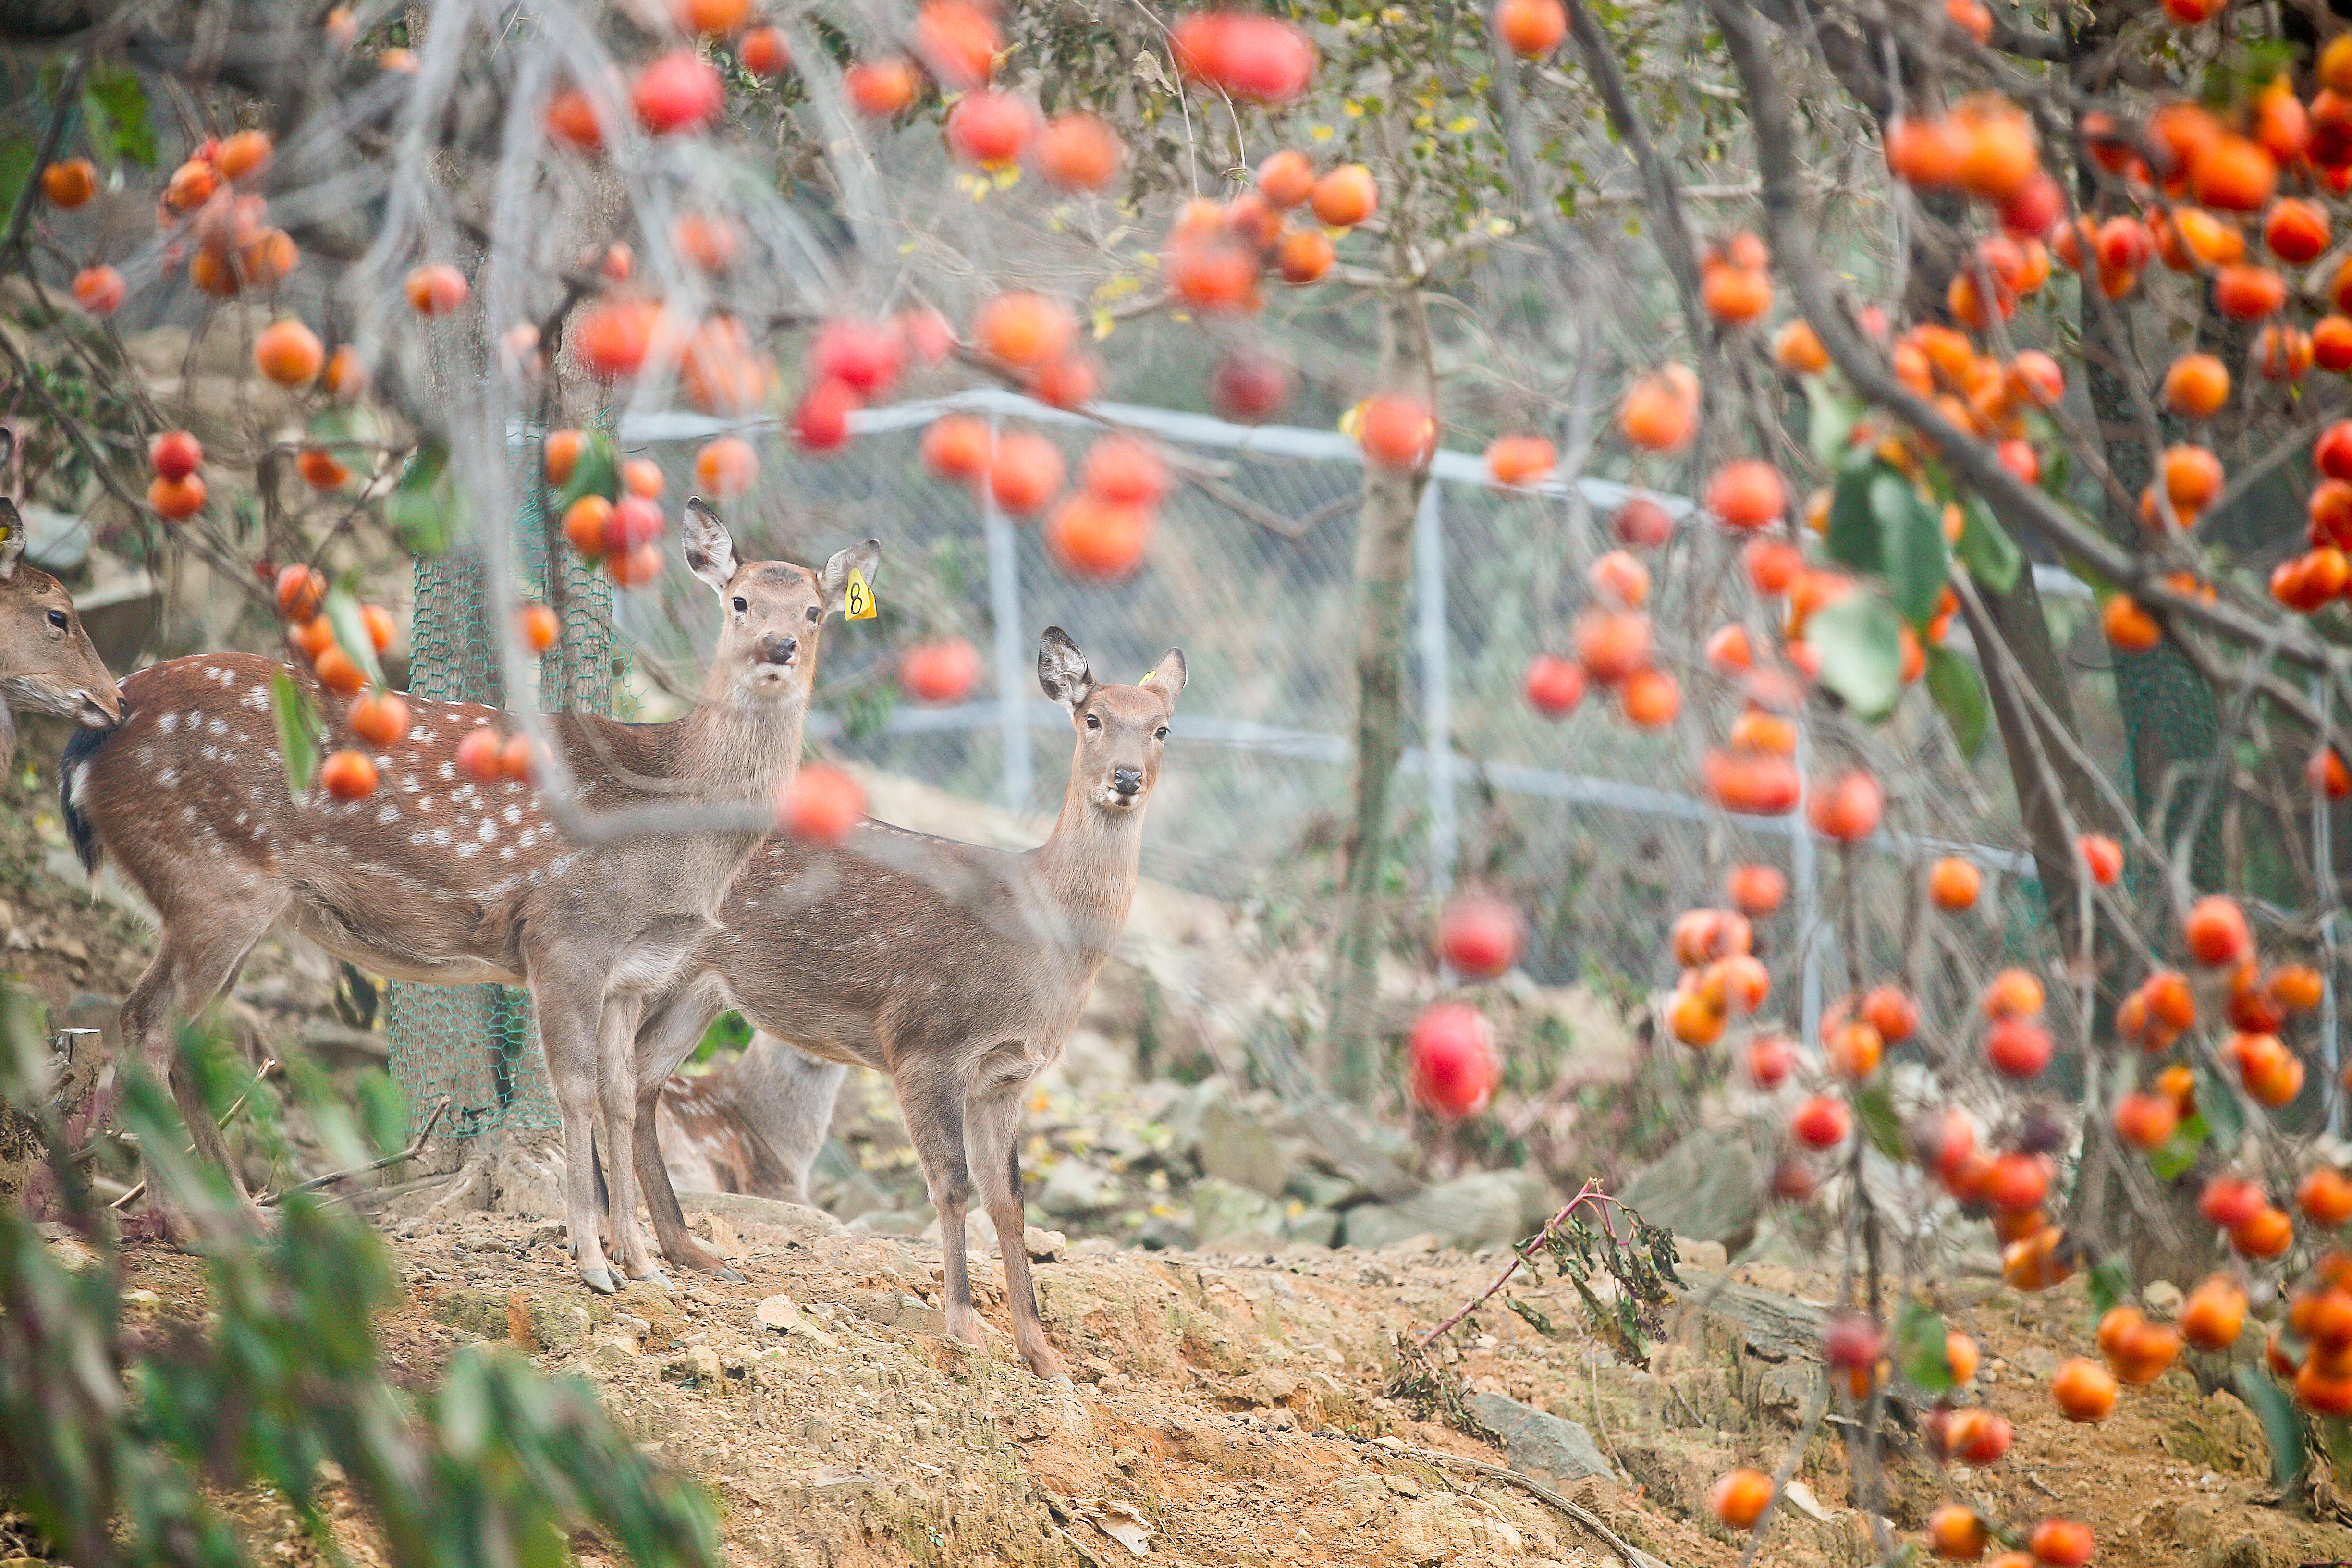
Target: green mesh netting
(475,1043)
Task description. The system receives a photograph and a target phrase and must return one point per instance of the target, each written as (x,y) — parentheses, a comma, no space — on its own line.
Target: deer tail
(72,771)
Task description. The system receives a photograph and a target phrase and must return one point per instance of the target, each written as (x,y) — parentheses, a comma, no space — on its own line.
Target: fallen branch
(225,1117)
(415,1148)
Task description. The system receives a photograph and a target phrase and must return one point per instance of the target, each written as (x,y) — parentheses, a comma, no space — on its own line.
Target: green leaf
(1960,692)
(2180,1151)
(597,473)
(2217,1100)
(2110,1286)
(1853,538)
(2281,1423)
(115,103)
(298,731)
(422,511)
(1912,545)
(1985,550)
(342,613)
(1875,1107)
(1919,1352)
(1860,641)
(15,168)
(1833,417)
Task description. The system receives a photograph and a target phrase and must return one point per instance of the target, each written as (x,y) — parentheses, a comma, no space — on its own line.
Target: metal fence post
(1436,682)
(1013,667)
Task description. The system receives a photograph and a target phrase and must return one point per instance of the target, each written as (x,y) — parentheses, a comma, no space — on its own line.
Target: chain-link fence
(1590,824)
(477,1043)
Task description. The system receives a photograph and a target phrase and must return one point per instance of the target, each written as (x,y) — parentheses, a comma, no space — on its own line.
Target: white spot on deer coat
(168,723)
(258,699)
(388,813)
(488,832)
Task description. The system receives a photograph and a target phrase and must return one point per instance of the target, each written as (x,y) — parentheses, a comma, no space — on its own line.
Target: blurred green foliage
(112,1433)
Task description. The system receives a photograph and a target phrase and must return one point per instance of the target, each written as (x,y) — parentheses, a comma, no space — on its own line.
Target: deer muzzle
(1127,782)
(776,649)
(92,712)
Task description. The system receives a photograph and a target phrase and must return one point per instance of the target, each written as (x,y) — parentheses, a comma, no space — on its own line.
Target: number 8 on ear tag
(857,603)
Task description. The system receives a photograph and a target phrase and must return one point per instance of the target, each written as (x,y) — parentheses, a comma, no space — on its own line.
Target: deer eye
(816,611)
(742,604)
(1160,733)
(1093,722)
(57,619)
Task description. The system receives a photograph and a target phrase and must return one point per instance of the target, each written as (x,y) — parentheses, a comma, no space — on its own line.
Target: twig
(268,1066)
(414,1149)
(1542,1493)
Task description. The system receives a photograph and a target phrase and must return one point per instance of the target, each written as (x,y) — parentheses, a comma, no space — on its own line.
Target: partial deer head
(47,662)
(1121,729)
(767,646)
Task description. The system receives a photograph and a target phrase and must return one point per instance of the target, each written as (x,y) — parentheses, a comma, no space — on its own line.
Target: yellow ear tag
(857,603)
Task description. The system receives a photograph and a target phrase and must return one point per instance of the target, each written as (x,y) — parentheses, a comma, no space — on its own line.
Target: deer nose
(93,714)
(1127,780)
(775,649)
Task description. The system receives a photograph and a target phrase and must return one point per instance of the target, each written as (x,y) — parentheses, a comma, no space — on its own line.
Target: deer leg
(933,1105)
(617,1088)
(195,962)
(993,1127)
(567,1038)
(665,1039)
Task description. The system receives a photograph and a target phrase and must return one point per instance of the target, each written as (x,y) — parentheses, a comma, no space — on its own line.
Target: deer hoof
(657,1279)
(729,1275)
(600,1280)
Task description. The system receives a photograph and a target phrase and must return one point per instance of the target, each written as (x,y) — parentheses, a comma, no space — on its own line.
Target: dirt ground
(1226,1409)
(1232,1406)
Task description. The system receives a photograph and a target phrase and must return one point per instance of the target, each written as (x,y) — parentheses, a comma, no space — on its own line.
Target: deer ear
(12,538)
(864,558)
(709,548)
(1061,669)
(1166,677)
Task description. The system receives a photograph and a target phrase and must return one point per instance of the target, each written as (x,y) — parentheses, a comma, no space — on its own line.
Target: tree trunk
(1384,527)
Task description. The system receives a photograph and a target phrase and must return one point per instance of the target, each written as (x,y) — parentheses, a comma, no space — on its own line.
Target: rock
(615,1351)
(557,1325)
(1317,1189)
(1486,1205)
(1184,1118)
(665,1320)
(702,1364)
(1541,1444)
(1224,1212)
(1436,1527)
(1710,1187)
(2221,1434)
(1316,1227)
(1077,1187)
(1044,1245)
(763,1220)
(778,1313)
(890,1222)
(900,1311)
(2163,1297)
(1234,1146)
(1166,1233)
(476,1312)
(1707,1255)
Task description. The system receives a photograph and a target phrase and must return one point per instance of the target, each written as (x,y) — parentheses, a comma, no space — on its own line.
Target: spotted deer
(438,878)
(751,1125)
(47,662)
(959,971)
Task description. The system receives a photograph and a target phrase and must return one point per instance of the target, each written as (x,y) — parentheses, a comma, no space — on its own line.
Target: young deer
(957,970)
(46,665)
(752,1125)
(439,878)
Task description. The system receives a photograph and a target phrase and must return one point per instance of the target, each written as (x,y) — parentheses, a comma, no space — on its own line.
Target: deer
(440,877)
(751,1125)
(960,971)
(47,662)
